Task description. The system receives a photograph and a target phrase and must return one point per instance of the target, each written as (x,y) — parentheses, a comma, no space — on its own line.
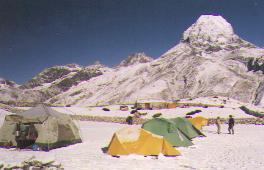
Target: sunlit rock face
(136,58)
(210,60)
(48,83)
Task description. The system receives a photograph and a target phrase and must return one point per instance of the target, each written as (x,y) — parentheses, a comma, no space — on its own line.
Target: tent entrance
(26,135)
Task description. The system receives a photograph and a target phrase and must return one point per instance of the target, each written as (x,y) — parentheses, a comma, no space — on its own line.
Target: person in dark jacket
(129,120)
(231,124)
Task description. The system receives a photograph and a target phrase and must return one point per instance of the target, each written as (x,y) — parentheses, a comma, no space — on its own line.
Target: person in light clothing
(218,125)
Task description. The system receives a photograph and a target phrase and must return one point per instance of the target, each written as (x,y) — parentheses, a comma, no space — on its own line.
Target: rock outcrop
(210,60)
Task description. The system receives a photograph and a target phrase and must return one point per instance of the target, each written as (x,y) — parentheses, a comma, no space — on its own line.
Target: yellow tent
(199,122)
(134,140)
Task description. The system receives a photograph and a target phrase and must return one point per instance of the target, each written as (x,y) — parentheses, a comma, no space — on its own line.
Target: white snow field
(231,106)
(244,150)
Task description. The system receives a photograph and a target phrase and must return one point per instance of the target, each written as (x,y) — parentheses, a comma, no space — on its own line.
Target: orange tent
(199,122)
(135,140)
(172,105)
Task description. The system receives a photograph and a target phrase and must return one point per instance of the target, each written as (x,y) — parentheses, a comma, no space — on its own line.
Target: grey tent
(54,129)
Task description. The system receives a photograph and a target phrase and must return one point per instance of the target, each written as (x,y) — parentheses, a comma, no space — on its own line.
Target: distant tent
(168,130)
(199,122)
(54,129)
(151,104)
(187,127)
(135,140)
(172,105)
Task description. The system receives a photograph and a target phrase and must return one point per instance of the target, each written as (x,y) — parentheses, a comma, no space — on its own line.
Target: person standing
(218,125)
(231,124)
(17,133)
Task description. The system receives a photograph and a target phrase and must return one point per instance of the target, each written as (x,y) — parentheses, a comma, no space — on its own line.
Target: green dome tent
(186,127)
(54,129)
(168,130)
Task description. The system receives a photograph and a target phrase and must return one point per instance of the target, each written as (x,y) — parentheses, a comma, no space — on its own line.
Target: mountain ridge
(210,60)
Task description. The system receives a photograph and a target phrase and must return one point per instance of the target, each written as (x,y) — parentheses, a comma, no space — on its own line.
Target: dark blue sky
(35,34)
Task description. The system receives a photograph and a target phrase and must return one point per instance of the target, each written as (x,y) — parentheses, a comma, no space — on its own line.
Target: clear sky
(35,34)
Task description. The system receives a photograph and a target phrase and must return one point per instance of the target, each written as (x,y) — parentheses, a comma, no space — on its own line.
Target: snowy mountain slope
(10,93)
(210,60)
(49,83)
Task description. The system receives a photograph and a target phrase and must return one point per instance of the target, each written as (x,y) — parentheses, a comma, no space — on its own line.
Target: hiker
(231,124)
(17,134)
(129,120)
(23,135)
(20,135)
(218,122)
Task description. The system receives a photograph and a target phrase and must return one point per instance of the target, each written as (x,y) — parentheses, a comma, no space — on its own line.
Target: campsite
(211,152)
(131,85)
(183,146)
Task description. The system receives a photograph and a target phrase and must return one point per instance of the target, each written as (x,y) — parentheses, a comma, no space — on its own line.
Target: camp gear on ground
(106,109)
(133,111)
(156,115)
(193,112)
(35,147)
(123,108)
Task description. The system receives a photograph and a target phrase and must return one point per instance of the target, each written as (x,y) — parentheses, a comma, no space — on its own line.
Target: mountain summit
(213,33)
(209,28)
(210,60)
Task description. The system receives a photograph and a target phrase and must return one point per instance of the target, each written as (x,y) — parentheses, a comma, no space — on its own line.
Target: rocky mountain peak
(98,67)
(209,28)
(73,66)
(135,58)
(4,82)
(95,65)
(213,33)
(52,74)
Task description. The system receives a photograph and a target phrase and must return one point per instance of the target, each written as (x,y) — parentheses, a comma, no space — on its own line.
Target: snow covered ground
(211,112)
(231,106)
(244,150)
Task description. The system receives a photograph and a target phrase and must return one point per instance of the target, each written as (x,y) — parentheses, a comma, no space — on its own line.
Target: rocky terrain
(136,58)
(210,60)
(50,82)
